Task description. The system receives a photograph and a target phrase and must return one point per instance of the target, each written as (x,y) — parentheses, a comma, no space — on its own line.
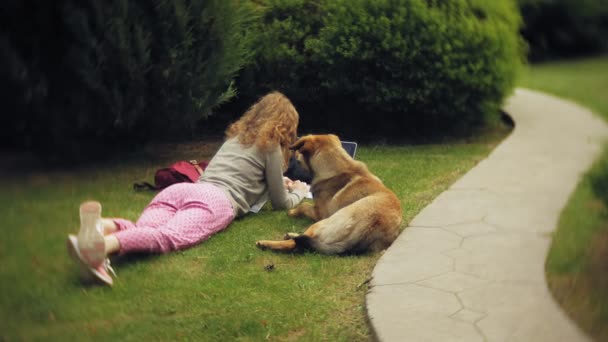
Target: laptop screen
(350,147)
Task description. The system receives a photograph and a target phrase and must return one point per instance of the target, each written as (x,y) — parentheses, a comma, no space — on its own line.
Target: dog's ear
(304,145)
(298,144)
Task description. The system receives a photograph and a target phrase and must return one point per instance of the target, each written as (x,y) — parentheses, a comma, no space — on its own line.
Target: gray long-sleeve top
(247,174)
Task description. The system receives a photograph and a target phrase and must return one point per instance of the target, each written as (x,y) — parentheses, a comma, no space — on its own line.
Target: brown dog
(353,210)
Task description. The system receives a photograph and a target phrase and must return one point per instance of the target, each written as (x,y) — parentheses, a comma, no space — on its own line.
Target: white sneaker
(91,243)
(89,273)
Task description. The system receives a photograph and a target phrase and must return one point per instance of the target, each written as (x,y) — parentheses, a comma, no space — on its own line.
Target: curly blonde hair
(271,121)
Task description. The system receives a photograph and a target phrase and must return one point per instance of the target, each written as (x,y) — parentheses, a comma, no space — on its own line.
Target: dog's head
(318,152)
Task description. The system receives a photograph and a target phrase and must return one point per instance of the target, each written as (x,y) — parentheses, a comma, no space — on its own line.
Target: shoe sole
(91,241)
(87,273)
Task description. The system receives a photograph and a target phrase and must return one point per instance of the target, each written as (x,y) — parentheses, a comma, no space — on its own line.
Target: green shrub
(281,60)
(382,67)
(82,73)
(564,28)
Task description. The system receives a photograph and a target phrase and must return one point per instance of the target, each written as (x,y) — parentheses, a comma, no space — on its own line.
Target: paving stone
(469,316)
(427,328)
(410,266)
(471,228)
(456,253)
(455,207)
(424,240)
(453,282)
(516,311)
(422,314)
(512,213)
(504,257)
(503,297)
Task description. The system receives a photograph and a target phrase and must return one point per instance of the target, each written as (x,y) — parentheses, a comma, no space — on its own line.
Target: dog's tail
(304,242)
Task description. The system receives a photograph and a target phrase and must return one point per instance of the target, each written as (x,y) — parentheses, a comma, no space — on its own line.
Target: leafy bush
(82,72)
(564,28)
(281,60)
(367,67)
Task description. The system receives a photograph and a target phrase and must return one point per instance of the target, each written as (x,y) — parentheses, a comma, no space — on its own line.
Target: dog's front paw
(293,212)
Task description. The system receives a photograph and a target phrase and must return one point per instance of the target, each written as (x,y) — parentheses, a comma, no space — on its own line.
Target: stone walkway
(470,266)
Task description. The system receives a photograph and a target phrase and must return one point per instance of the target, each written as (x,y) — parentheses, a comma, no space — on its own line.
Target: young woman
(247,168)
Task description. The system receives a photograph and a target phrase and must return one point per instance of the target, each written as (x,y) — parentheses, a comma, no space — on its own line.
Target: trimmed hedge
(564,28)
(379,67)
(81,73)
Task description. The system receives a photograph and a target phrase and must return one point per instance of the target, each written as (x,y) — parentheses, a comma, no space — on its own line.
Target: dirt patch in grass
(294,335)
(584,295)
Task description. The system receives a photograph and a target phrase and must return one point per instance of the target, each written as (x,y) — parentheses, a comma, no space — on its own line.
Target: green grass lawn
(584,81)
(577,265)
(221,290)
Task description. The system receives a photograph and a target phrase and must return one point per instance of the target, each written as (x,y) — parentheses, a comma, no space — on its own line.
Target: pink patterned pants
(180,216)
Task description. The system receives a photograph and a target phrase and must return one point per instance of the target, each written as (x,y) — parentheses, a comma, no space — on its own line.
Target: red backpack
(178,172)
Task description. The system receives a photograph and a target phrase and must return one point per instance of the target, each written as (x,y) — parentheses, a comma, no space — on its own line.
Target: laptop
(350,147)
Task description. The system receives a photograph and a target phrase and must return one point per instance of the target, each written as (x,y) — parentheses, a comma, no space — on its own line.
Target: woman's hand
(297,185)
(288,183)
(300,186)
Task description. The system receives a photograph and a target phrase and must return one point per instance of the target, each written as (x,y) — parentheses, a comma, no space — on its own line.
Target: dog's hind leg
(277,245)
(292,241)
